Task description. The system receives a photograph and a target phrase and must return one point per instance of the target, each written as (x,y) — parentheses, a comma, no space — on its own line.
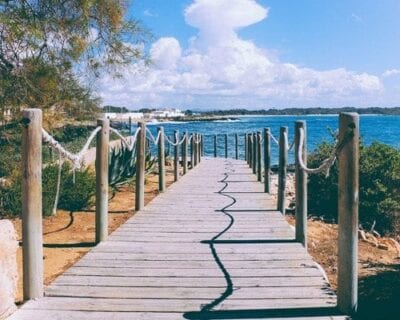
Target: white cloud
(356,18)
(165,53)
(219,69)
(149,13)
(391,73)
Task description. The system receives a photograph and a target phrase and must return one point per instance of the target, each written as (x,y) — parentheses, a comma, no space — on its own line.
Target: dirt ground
(68,236)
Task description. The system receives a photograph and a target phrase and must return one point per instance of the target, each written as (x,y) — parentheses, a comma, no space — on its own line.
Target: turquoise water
(385,129)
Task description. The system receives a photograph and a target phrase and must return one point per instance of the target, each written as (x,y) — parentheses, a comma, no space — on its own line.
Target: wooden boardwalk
(211,247)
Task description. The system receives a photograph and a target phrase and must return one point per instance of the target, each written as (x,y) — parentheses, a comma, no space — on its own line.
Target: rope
(132,139)
(155,140)
(76,159)
(196,141)
(57,197)
(273,138)
(177,143)
(326,164)
(291,145)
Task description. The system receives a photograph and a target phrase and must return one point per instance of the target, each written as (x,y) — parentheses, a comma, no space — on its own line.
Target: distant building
(123,116)
(167,113)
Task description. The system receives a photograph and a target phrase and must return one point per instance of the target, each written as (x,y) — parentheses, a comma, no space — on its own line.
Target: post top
(349,114)
(103,120)
(31,112)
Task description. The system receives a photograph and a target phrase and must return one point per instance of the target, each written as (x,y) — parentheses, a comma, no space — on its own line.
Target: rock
(8,268)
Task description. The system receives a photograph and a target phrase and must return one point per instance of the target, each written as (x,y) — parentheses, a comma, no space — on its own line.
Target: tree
(47,45)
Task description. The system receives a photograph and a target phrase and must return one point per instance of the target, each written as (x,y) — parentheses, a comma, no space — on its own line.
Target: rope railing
(129,144)
(174,143)
(326,164)
(75,158)
(152,138)
(196,140)
(291,145)
(273,138)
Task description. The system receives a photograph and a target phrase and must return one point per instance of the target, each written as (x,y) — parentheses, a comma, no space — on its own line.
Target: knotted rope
(326,164)
(76,158)
(175,143)
(155,140)
(129,144)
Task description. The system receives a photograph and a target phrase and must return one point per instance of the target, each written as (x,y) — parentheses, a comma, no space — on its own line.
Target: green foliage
(73,196)
(10,152)
(122,165)
(379,187)
(77,194)
(47,45)
(322,190)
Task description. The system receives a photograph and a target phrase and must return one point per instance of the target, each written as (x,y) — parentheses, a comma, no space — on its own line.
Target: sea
(382,128)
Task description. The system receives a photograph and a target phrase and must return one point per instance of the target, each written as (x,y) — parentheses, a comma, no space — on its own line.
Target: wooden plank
(161,282)
(192,273)
(187,292)
(168,305)
(206,264)
(84,315)
(195,256)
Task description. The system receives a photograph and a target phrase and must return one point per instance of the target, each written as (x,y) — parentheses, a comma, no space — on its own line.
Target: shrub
(78,195)
(379,186)
(72,196)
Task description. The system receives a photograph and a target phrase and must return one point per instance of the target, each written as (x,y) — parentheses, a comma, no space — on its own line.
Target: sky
(222,54)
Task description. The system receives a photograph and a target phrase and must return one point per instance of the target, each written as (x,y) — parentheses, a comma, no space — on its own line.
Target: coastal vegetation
(379,187)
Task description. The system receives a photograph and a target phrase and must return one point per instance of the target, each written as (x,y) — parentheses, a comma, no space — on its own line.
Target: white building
(123,116)
(167,113)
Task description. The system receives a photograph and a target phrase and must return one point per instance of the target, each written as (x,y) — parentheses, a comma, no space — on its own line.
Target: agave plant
(122,165)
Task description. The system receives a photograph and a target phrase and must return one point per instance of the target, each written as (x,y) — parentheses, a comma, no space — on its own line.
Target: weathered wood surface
(172,260)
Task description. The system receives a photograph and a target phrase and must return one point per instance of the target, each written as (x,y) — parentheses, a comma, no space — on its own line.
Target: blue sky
(210,54)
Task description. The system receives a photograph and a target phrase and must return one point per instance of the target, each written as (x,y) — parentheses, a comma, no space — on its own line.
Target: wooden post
(267,160)
(226,146)
(102,143)
(199,147)
(283,152)
(192,151)
(184,153)
(169,149)
(202,145)
(196,149)
(259,165)
(215,145)
(254,155)
(301,185)
(161,160)
(140,166)
(176,156)
(32,239)
(130,126)
(348,159)
(250,149)
(236,146)
(245,148)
